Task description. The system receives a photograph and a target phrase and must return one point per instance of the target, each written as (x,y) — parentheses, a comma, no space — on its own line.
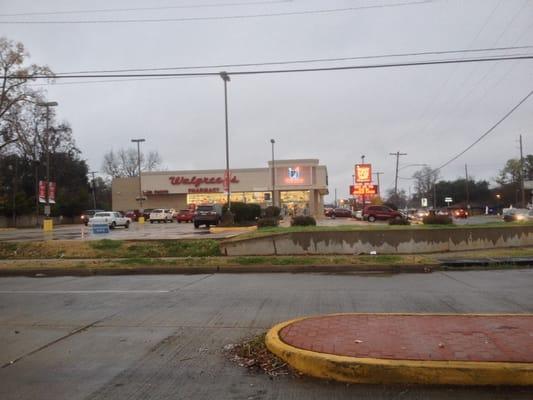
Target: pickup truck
(111,218)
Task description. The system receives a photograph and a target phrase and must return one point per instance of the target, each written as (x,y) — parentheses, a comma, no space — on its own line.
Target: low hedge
(267,222)
(399,221)
(272,211)
(303,220)
(243,212)
(437,220)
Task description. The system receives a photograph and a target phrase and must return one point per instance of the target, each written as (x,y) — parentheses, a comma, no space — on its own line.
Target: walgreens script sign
(197,181)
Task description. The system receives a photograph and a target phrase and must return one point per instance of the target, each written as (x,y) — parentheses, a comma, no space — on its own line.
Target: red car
(184,216)
(460,213)
(133,214)
(372,213)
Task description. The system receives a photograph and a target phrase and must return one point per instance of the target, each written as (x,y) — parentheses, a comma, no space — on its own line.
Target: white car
(162,215)
(111,218)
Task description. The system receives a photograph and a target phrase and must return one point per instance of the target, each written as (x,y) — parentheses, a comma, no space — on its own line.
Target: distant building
(300,187)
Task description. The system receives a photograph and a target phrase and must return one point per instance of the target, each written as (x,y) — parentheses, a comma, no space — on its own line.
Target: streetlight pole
(273,175)
(94,189)
(47,105)
(139,141)
(225,77)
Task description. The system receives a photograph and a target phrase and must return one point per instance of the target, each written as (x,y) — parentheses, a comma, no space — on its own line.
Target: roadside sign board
(100,228)
(424,201)
(363,173)
(363,189)
(448,200)
(42,192)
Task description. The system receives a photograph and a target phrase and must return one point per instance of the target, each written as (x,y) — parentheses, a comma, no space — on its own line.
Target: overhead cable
(216,17)
(104,10)
(303,61)
(286,71)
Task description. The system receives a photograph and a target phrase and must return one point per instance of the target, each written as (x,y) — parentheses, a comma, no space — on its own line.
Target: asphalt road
(161,337)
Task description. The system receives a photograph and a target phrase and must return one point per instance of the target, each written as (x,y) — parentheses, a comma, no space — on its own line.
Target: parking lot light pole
(225,77)
(139,141)
(47,105)
(273,175)
(94,189)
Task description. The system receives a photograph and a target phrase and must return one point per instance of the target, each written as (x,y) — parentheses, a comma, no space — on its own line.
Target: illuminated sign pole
(363,176)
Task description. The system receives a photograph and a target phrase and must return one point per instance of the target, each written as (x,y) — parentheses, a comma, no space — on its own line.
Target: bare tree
(425,179)
(15,94)
(124,163)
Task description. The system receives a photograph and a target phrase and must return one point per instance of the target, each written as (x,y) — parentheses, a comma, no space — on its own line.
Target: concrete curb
(382,371)
(228,269)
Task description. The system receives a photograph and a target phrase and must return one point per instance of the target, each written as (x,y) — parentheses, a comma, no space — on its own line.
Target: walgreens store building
(299,187)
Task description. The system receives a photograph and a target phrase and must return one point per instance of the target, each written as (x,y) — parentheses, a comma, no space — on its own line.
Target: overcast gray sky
(429,112)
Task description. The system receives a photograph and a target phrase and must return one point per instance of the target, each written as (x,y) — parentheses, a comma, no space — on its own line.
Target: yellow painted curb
(217,229)
(384,371)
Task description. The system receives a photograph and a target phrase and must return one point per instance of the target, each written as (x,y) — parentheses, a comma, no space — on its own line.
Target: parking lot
(135,232)
(174,230)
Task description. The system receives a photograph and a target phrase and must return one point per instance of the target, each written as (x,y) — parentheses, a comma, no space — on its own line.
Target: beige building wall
(126,190)
(159,191)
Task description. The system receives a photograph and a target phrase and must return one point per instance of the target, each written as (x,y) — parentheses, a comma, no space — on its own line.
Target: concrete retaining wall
(383,242)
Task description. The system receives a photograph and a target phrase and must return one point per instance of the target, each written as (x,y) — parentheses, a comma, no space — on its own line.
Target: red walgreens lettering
(197,181)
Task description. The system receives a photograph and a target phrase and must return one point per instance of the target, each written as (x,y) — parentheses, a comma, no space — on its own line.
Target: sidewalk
(462,349)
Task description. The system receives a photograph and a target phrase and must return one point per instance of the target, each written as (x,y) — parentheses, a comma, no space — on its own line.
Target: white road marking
(81,291)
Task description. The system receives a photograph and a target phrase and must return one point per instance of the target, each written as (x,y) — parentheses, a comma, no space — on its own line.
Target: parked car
(207,214)
(373,213)
(460,213)
(88,214)
(161,215)
(146,213)
(443,211)
(111,218)
(133,214)
(184,215)
(341,212)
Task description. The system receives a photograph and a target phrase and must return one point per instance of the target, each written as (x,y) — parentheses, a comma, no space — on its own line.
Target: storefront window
(295,202)
(221,198)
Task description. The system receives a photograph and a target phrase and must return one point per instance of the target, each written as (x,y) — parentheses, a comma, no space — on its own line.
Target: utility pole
(379,186)
(94,190)
(466,189)
(335,197)
(397,154)
(522,174)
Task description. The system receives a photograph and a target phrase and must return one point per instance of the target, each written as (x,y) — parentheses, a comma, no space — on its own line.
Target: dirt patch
(253,355)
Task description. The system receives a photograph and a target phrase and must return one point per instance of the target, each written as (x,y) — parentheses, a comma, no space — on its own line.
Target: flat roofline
(204,171)
(307,161)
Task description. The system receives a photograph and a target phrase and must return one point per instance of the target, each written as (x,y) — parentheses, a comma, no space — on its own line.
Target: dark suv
(372,213)
(207,214)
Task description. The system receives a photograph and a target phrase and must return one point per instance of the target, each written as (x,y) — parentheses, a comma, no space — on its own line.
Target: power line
(104,10)
(304,61)
(219,17)
(507,115)
(284,71)
(111,81)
